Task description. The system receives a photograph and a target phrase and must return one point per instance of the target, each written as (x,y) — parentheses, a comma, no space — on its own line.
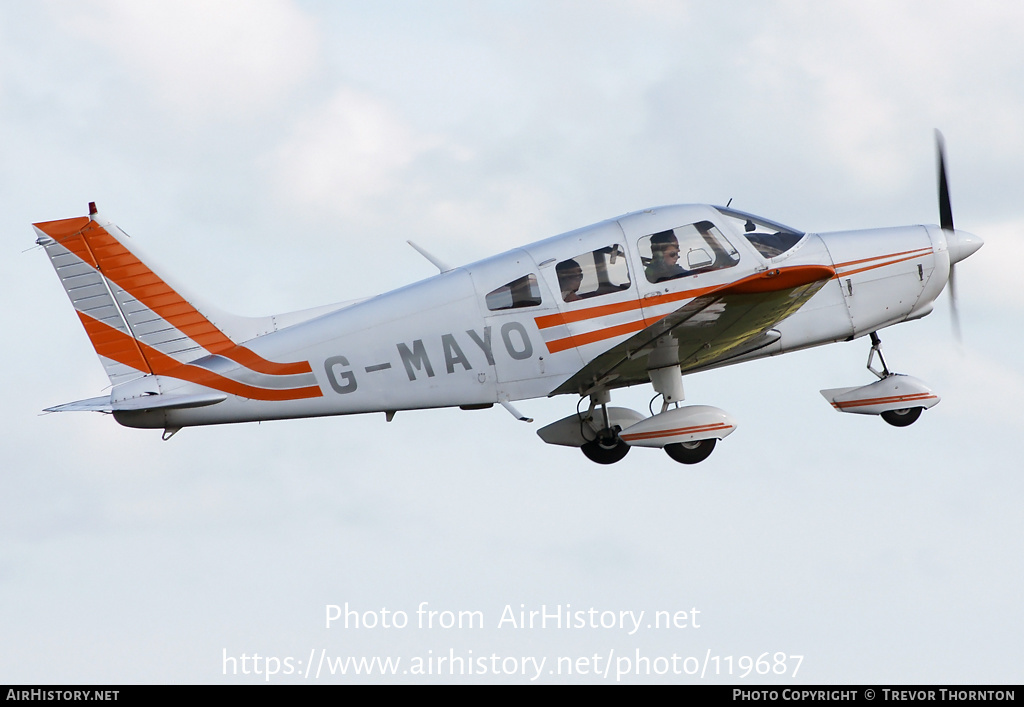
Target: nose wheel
(904,417)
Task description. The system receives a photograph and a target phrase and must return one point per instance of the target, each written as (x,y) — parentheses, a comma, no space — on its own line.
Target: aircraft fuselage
(505,328)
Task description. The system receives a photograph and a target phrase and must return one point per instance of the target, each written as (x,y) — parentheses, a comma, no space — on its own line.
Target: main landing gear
(606,434)
(691,452)
(896,398)
(605,450)
(606,447)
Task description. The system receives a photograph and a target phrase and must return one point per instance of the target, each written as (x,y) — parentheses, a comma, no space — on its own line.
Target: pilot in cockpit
(664,263)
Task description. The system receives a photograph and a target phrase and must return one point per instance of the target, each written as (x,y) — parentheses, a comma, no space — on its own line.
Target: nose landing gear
(902,417)
(898,399)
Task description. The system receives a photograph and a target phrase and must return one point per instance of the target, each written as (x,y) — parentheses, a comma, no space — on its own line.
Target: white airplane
(646,297)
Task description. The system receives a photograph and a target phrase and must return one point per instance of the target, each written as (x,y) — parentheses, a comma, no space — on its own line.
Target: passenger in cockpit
(570,277)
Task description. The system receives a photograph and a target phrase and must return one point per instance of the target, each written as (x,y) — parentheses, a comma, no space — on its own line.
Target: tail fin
(139,324)
(69,243)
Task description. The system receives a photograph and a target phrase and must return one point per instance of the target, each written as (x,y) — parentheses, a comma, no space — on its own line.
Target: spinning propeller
(960,243)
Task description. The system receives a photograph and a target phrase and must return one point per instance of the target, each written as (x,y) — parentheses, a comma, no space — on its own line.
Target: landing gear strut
(607,447)
(668,382)
(876,350)
(897,418)
(896,398)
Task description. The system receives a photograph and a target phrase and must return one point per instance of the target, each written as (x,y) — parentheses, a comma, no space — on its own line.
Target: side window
(686,250)
(522,292)
(598,272)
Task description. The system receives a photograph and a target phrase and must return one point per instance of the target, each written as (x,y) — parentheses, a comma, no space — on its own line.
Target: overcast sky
(277,154)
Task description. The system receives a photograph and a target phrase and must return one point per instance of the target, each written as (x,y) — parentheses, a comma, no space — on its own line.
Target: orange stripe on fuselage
(918,251)
(907,255)
(770,281)
(95,246)
(124,349)
(878,265)
(759,283)
(579,315)
(571,342)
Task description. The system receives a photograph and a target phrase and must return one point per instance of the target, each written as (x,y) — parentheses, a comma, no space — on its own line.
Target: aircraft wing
(728,321)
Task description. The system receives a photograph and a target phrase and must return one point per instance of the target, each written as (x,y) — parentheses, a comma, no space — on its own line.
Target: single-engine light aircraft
(643,298)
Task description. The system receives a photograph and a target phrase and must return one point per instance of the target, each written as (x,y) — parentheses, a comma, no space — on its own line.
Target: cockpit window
(598,272)
(771,239)
(686,250)
(521,292)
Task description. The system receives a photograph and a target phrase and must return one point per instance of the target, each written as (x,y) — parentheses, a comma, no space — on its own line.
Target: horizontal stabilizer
(146,402)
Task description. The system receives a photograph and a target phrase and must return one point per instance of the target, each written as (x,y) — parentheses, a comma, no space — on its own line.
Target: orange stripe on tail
(95,246)
(124,349)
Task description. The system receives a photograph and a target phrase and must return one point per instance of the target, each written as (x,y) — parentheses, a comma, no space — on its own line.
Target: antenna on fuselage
(436,262)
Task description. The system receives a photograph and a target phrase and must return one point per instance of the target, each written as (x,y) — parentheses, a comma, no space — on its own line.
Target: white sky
(276,154)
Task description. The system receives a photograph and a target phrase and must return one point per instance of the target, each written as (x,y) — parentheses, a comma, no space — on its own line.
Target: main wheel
(902,418)
(691,452)
(605,451)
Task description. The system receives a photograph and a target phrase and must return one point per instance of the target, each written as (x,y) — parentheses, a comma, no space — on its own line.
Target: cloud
(473,127)
(352,148)
(994,270)
(200,58)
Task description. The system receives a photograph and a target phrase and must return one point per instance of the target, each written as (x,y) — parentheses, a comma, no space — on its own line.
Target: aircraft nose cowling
(962,245)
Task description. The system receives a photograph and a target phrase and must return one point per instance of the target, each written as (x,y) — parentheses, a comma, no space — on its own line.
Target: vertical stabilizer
(92,297)
(141,325)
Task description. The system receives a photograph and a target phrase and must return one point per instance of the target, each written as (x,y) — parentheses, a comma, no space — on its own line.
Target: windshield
(771,239)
